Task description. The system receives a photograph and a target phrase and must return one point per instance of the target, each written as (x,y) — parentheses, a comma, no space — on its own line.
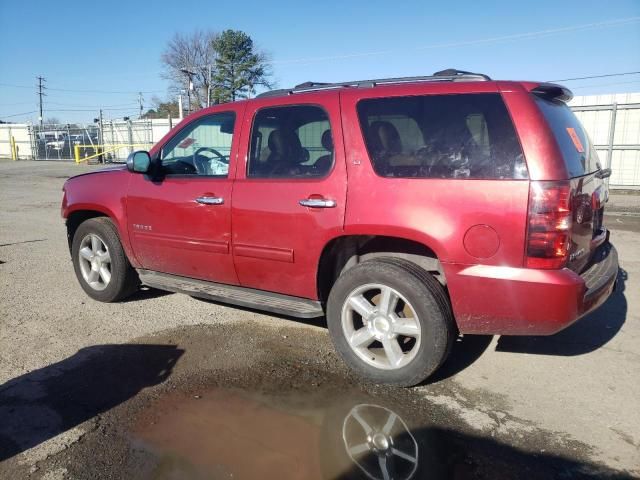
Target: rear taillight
(549,230)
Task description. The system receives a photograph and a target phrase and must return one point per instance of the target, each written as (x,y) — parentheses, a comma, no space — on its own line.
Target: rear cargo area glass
(579,155)
(442,136)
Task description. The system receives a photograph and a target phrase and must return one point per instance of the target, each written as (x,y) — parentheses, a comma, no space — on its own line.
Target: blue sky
(115,46)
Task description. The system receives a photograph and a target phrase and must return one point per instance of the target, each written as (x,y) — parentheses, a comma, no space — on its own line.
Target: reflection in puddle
(325,434)
(379,442)
(230,434)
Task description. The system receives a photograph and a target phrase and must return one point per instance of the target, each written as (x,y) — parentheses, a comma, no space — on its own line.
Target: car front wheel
(101,266)
(390,321)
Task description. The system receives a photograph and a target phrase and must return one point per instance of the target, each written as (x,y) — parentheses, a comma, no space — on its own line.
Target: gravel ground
(79,380)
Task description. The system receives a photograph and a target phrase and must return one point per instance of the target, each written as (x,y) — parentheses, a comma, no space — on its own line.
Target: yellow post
(76,153)
(14,150)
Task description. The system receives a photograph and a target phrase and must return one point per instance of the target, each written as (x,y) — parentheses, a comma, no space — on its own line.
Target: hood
(113,168)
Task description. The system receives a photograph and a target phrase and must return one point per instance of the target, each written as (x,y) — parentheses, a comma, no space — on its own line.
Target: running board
(242,296)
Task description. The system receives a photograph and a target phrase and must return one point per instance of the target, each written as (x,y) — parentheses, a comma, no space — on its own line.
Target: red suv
(406,210)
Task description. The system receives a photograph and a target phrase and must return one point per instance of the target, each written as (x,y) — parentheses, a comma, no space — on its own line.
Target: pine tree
(238,67)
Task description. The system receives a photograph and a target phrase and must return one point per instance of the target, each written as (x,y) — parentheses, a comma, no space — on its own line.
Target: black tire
(429,301)
(124,279)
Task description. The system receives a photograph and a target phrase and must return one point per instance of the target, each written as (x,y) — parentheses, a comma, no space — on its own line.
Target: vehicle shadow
(315,321)
(39,405)
(464,352)
(440,453)
(586,335)
(146,293)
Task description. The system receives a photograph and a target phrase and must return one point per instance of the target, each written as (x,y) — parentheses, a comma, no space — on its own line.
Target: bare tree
(194,53)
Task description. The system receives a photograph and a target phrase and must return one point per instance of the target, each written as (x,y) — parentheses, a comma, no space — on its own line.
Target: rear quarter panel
(441,213)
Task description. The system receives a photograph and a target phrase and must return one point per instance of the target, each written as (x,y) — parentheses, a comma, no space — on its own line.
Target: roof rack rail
(448,75)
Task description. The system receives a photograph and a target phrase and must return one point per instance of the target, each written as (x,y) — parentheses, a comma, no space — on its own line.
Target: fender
(104,191)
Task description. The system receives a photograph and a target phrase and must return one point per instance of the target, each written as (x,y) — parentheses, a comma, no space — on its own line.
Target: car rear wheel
(101,266)
(390,321)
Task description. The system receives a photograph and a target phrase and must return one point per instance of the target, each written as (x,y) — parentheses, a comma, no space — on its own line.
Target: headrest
(387,136)
(327,140)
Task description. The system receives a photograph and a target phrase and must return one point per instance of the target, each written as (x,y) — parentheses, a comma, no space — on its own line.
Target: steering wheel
(199,160)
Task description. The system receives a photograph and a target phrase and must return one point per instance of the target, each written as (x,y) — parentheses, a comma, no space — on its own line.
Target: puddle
(231,434)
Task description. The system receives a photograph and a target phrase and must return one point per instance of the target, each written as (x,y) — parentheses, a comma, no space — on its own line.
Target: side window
(290,142)
(441,136)
(202,148)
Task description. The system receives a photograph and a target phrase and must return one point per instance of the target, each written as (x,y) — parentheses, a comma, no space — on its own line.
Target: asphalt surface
(167,386)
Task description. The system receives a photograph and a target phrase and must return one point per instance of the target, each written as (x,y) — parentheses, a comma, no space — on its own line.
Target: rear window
(578,153)
(442,136)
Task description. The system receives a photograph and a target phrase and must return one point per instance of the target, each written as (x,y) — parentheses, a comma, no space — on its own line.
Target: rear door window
(292,141)
(442,136)
(578,153)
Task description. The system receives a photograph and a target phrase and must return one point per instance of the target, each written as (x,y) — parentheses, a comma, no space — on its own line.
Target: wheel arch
(81,213)
(77,217)
(343,252)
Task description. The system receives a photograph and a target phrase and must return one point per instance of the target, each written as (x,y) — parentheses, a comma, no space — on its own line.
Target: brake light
(549,229)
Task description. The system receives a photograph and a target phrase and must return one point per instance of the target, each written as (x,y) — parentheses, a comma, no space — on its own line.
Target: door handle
(210,200)
(318,203)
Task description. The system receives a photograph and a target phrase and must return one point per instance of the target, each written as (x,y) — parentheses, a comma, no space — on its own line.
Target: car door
(289,193)
(179,216)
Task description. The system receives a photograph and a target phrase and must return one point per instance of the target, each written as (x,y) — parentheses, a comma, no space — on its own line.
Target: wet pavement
(164,386)
(180,405)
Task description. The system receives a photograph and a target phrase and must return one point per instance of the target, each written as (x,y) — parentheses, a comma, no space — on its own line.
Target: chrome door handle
(318,203)
(210,200)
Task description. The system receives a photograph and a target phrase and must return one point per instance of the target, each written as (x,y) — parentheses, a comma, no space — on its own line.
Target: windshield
(578,153)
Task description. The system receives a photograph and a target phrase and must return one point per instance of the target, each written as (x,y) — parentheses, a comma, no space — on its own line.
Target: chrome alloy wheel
(381,326)
(95,262)
(379,442)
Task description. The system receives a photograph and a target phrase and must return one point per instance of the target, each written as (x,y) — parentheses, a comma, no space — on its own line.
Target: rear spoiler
(552,91)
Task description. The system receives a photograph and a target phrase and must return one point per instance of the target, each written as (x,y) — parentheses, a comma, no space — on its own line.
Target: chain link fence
(71,142)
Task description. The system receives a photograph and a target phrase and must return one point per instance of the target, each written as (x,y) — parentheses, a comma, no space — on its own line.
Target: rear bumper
(519,301)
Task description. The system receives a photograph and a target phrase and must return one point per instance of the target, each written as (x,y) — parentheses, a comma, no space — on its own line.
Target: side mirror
(138,162)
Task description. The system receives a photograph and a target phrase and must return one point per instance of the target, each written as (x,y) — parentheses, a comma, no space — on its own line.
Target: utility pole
(180,105)
(40,95)
(189,75)
(209,87)
(100,138)
(140,100)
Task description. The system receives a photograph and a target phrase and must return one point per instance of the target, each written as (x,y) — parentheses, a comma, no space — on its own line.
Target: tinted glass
(579,155)
(202,148)
(441,136)
(290,142)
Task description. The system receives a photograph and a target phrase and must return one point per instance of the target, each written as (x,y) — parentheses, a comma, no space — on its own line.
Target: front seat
(286,153)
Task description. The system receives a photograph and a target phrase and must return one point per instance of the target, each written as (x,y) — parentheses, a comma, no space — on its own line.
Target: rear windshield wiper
(603,173)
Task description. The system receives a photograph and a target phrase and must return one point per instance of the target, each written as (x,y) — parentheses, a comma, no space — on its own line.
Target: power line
(90,109)
(17,114)
(94,107)
(102,91)
(595,76)
(517,36)
(604,85)
(14,86)
(14,104)
(130,92)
